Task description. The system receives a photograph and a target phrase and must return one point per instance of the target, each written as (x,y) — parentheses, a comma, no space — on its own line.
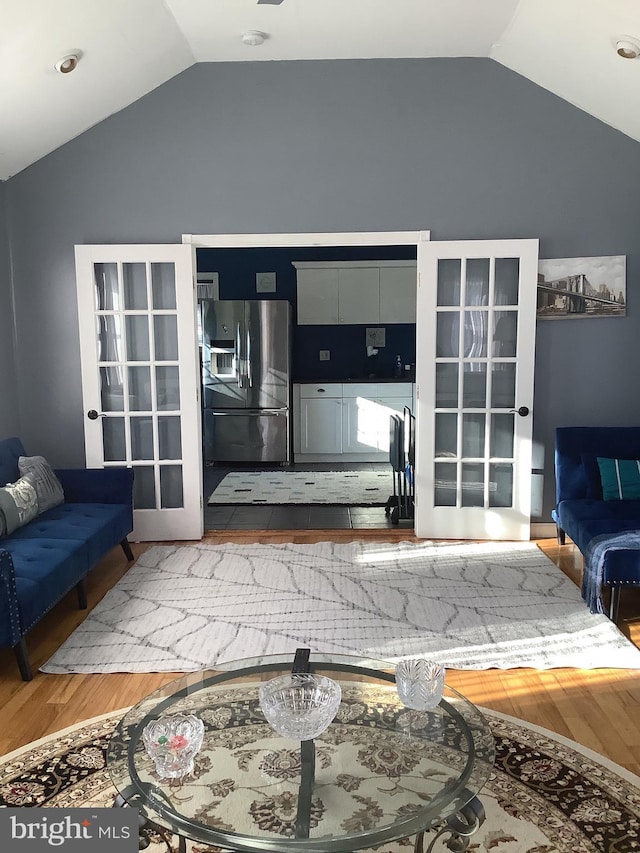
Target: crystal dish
(300,706)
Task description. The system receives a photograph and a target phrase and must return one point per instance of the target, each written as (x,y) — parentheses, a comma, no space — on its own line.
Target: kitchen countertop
(359,379)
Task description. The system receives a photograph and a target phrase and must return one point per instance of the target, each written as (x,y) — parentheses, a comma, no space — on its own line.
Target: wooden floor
(598,708)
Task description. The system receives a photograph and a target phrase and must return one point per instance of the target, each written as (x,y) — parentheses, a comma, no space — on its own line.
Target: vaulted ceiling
(129,47)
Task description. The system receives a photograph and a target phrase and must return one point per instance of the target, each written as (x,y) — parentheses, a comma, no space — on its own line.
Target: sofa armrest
(9,613)
(97,485)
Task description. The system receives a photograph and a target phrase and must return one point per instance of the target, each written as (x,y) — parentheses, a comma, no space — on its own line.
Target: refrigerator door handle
(248,351)
(239,357)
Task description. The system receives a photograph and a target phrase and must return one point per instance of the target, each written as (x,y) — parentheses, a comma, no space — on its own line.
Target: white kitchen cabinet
(317,425)
(356,292)
(346,422)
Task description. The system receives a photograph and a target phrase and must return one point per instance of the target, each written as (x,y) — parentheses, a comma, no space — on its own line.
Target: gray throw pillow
(48,486)
(18,504)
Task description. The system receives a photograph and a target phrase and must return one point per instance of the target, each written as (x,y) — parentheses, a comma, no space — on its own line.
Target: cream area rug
(546,794)
(343,488)
(467,605)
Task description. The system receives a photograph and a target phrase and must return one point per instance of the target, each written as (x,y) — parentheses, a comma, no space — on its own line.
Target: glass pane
(447,335)
(111,389)
(446,434)
(449,281)
(140,389)
(167,389)
(507,279)
(476,333)
(144,488)
(171,486)
(141,438)
(106,281)
(472,484)
(113,440)
(109,338)
(163,285)
(165,328)
(502,436)
(473,435)
(477,288)
(501,484)
(137,337)
(503,385)
(169,438)
(446,386)
(445,484)
(474,385)
(505,334)
(134,279)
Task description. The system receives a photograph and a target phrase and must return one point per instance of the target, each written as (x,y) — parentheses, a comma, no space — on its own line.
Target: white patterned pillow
(18,504)
(48,486)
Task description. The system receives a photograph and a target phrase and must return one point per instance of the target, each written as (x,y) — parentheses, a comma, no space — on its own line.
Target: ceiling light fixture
(254,37)
(67,63)
(628,48)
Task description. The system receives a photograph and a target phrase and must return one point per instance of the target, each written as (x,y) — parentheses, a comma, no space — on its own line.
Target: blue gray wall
(9,414)
(462,147)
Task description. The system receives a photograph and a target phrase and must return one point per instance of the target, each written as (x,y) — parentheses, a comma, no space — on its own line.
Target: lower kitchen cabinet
(346,422)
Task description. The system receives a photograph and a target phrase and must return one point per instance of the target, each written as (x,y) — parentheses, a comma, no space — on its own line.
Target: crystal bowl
(300,706)
(173,742)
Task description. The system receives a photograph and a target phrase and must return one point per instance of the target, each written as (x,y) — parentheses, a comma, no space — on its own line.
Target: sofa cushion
(620,479)
(99,526)
(11,450)
(48,486)
(18,504)
(583,519)
(45,570)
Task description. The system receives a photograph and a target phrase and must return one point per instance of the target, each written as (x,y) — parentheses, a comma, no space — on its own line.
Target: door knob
(523,411)
(93,415)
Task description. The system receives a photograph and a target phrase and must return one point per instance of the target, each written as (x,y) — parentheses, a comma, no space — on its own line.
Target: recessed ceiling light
(628,48)
(68,63)
(254,37)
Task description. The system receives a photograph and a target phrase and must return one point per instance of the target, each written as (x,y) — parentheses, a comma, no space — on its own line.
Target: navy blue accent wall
(237,270)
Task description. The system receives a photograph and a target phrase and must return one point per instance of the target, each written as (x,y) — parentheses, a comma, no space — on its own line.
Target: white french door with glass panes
(140,379)
(475,341)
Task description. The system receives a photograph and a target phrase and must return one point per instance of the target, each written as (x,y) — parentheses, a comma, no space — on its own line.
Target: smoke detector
(254,37)
(68,63)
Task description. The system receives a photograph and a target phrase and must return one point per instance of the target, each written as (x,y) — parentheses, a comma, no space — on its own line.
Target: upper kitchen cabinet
(352,292)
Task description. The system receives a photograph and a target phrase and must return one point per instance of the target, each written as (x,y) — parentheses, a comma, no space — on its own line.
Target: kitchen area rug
(341,488)
(466,605)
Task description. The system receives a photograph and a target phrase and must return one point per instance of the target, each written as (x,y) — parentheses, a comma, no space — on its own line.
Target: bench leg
(561,535)
(22,656)
(127,550)
(81,589)
(614,604)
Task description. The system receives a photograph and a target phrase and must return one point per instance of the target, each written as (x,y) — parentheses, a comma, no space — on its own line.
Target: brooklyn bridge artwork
(582,287)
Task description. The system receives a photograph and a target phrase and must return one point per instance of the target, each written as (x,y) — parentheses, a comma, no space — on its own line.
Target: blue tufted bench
(42,561)
(583,515)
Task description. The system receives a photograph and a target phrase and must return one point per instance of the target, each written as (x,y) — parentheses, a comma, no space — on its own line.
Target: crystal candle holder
(420,683)
(173,742)
(300,706)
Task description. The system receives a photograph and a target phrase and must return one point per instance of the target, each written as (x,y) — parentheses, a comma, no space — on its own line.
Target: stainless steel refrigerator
(245,354)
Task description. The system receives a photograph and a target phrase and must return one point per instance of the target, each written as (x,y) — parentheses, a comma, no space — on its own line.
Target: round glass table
(378,773)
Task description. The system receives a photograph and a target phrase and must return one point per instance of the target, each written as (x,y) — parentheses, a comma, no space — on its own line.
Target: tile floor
(315,517)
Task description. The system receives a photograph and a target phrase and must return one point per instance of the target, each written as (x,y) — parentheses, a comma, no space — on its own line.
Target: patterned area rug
(546,794)
(466,605)
(342,488)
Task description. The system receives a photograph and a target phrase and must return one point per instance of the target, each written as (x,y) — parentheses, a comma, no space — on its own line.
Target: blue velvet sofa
(607,532)
(43,560)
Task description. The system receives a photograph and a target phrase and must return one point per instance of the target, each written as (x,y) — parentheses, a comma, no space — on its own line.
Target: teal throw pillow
(18,504)
(620,479)
(48,486)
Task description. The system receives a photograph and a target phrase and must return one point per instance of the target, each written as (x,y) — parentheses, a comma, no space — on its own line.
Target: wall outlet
(265,282)
(375,337)
(325,354)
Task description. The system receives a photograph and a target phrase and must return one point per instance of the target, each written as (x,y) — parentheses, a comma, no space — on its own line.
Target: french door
(475,341)
(140,379)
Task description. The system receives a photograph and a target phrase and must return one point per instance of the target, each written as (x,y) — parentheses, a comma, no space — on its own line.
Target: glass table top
(379,772)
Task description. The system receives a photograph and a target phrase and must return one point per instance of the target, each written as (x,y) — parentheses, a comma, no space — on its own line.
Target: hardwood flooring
(597,708)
